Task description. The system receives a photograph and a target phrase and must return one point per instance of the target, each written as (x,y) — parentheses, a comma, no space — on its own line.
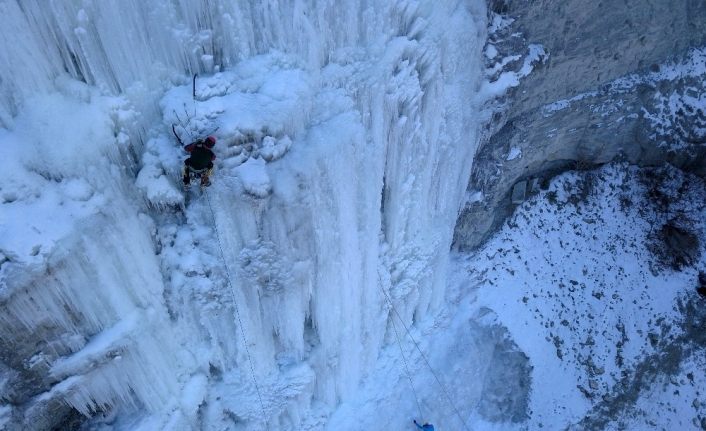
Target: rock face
(623,80)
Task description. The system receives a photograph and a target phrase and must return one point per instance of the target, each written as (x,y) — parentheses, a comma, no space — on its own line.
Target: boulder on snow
(701,286)
(679,247)
(519,192)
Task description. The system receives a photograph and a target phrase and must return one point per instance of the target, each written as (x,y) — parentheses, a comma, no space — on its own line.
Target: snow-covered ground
(572,277)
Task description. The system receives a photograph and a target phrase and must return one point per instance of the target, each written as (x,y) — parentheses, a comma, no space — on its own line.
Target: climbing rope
(406,368)
(431,369)
(237,310)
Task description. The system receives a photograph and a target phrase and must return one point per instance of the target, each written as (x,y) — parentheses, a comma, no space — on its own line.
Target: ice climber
(200,161)
(426,427)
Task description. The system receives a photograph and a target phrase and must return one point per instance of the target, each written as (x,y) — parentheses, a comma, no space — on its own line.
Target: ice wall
(363,116)
(138,47)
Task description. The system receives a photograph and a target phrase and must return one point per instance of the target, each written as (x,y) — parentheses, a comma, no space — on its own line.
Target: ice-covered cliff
(312,285)
(346,133)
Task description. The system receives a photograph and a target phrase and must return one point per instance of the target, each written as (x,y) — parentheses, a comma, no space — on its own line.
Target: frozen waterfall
(346,132)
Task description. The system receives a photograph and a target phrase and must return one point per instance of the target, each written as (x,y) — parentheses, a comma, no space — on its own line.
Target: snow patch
(510,79)
(490,51)
(572,279)
(5,415)
(253,175)
(474,197)
(193,395)
(273,149)
(514,153)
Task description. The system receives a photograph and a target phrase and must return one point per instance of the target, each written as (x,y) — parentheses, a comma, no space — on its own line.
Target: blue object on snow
(425,427)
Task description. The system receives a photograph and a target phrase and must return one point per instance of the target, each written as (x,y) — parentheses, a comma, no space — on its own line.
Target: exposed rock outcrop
(623,80)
